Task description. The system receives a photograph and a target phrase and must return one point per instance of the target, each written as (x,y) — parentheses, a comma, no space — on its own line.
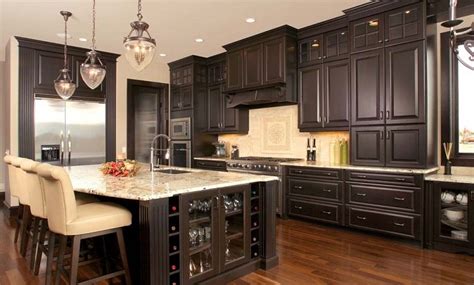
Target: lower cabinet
(210,165)
(389,203)
(216,232)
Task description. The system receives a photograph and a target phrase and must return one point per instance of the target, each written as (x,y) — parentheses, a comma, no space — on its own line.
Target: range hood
(260,98)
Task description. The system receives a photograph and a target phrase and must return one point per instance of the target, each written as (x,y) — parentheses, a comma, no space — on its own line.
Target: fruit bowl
(121,168)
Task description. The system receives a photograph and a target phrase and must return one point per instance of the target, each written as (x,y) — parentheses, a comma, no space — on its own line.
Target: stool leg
(41,246)
(49,261)
(24,230)
(34,242)
(76,247)
(123,256)
(19,216)
(59,264)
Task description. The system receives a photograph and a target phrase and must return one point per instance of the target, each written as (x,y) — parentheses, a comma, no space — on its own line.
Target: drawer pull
(401,179)
(326,212)
(298,207)
(327,190)
(399,198)
(361,176)
(399,224)
(361,218)
(298,187)
(361,194)
(329,174)
(299,171)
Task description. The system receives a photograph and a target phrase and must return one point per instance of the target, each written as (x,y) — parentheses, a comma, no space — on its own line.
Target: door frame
(131,85)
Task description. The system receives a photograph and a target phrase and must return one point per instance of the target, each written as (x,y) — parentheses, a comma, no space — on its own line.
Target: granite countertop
(213,158)
(467,179)
(362,168)
(148,186)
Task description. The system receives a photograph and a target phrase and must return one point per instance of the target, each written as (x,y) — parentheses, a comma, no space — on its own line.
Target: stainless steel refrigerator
(69,132)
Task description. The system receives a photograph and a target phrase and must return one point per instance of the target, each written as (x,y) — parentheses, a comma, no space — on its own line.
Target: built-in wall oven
(181,147)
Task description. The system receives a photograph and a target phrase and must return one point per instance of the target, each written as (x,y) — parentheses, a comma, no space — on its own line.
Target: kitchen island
(190,226)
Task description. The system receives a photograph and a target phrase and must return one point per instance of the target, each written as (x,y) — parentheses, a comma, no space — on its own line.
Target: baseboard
(2,196)
(10,211)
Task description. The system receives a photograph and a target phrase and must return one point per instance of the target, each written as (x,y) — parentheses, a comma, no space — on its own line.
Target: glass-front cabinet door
(454,214)
(234,226)
(200,236)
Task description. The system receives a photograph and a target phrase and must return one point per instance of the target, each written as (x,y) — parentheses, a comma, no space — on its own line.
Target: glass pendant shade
(64,85)
(139,49)
(92,70)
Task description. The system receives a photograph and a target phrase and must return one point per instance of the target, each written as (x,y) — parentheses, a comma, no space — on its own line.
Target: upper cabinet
(394,27)
(336,44)
(330,46)
(311,51)
(265,61)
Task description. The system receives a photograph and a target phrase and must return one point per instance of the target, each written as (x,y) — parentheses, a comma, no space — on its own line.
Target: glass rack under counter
(451,216)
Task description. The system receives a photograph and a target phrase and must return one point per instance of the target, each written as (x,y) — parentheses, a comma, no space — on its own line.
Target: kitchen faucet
(152,151)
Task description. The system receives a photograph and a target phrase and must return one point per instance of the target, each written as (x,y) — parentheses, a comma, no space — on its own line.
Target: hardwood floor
(310,254)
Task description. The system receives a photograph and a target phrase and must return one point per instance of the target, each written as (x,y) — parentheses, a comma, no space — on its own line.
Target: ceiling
(173,23)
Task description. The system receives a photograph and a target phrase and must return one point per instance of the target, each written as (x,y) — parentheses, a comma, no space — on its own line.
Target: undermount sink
(172,171)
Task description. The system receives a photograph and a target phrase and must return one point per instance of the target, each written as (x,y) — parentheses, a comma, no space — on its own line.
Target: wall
(456,169)
(3,95)
(274,132)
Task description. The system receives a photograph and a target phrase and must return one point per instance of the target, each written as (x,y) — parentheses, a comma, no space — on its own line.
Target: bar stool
(68,220)
(13,186)
(32,183)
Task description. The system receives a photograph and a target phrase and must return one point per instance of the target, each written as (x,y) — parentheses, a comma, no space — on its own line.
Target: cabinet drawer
(211,165)
(403,199)
(401,225)
(315,172)
(316,211)
(373,177)
(315,189)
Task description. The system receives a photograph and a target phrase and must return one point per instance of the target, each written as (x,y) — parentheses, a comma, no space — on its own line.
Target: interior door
(50,117)
(85,132)
(234,225)
(200,231)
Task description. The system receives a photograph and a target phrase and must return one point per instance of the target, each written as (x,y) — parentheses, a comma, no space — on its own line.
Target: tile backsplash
(274,132)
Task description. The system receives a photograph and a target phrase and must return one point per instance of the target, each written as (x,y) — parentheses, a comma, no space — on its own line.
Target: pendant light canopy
(93,70)
(139,45)
(64,85)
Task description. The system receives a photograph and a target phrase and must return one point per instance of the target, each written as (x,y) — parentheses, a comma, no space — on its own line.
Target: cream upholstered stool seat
(68,220)
(31,182)
(13,187)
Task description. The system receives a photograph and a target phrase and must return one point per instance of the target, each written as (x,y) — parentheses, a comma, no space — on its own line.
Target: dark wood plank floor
(311,254)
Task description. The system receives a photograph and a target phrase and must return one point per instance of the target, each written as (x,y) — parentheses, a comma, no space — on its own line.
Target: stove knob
(275,168)
(238,165)
(264,167)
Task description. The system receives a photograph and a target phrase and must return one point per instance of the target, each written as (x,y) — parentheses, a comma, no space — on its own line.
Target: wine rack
(255,221)
(174,241)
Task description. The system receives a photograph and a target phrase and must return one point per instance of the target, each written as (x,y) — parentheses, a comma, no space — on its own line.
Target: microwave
(180,129)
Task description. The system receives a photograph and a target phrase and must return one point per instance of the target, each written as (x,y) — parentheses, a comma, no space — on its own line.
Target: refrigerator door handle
(69,148)
(62,148)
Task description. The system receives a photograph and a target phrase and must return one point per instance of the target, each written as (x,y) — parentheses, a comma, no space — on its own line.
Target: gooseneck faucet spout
(152,151)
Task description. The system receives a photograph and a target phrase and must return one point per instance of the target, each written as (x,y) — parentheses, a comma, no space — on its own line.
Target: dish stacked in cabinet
(174,240)
(383,202)
(315,193)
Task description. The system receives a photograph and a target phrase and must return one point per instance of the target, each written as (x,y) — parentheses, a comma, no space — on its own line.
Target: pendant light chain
(93,25)
(139,15)
(65,41)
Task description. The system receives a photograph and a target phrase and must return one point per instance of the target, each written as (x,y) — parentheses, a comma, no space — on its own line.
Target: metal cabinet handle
(319,57)
(328,174)
(399,224)
(361,176)
(386,40)
(327,190)
(401,179)
(361,218)
(326,212)
(380,41)
(381,115)
(298,187)
(361,194)
(388,115)
(399,198)
(299,207)
(381,135)
(388,135)
(299,171)
(324,56)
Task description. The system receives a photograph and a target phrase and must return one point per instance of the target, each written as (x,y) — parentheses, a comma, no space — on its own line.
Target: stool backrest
(32,184)
(59,194)
(12,182)
(23,193)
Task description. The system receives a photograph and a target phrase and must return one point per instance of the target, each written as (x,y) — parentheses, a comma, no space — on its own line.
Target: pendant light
(93,70)
(64,85)
(139,46)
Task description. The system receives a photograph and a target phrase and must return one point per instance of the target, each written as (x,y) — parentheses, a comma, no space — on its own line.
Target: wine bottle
(313,151)
(308,150)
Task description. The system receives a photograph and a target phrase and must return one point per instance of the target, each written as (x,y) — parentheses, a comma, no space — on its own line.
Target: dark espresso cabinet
(324,96)
(336,45)
(235,69)
(311,51)
(367,33)
(253,66)
(273,59)
(368,145)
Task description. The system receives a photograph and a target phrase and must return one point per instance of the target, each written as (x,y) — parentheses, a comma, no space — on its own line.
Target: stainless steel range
(262,166)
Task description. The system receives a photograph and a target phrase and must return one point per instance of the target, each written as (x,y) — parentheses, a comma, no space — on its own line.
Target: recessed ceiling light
(162,54)
(199,40)
(250,20)
(83,39)
(61,35)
